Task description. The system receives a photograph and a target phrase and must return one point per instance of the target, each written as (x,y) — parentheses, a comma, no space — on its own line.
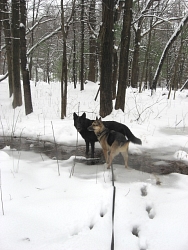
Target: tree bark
(64,30)
(115,72)
(106,35)
(82,47)
(1,18)
(24,69)
(135,66)
(74,50)
(8,42)
(64,82)
(64,67)
(124,56)
(17,95)
(92,43)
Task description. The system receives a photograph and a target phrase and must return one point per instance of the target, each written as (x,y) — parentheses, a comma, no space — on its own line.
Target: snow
(22,25)
(43,210)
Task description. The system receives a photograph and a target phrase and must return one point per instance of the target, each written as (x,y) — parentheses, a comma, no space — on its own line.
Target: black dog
(82,123)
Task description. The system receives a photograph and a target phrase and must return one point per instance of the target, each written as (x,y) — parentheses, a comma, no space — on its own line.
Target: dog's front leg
(87,148)
(105,152)
(110,158)
(92,149)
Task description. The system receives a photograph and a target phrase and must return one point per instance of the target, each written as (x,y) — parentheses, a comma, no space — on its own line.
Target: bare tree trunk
(117,14)
(124,56)
(64,67)
(145,68)
(115,72)
(48,66)
(135,66)
(25,71)
(64,62)
(8,42)
(106,35)
(82,47)
(92,43)
(17,98)
(174,80)
(64,81)
(1,19)
(74,50)
(165,52)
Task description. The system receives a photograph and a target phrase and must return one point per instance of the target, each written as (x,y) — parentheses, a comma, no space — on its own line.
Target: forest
(119,44)
(75,60)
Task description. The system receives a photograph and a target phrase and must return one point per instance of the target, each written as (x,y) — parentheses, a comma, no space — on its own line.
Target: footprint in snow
(150,210)
(143,190)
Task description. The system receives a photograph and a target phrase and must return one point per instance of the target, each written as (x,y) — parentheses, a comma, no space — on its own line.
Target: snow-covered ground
(43,210)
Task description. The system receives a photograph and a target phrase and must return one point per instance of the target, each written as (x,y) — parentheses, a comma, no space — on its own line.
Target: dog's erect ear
(97,118)
(75,115)
(100,119)
(84,115)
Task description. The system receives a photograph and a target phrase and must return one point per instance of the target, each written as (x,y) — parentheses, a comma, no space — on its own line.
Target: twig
(72,169)
(113,208)
(56,149)
(14,124)
(1,195)
(19,150)
(3,130)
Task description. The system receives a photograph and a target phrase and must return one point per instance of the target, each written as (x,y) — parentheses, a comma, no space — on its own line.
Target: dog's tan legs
(125,157)
(111,157)
(109,162)
(105,152)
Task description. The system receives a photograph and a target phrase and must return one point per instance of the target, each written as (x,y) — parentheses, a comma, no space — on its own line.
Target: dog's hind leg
(111,156)
(125,157)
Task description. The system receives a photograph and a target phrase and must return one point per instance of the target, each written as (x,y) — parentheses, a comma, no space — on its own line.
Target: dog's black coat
(115,136)
(82,123)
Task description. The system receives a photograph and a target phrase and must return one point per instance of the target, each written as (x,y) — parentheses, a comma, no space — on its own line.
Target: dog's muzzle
(90,128)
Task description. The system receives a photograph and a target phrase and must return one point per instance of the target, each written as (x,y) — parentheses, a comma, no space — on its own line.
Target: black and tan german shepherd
(112,142)
(81,123)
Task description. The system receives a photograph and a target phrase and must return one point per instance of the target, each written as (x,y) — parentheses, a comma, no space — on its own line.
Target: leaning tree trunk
(124,56)
(6,26)
(1,18)
(17,96)
(106,35)
(25,71)
(165,52)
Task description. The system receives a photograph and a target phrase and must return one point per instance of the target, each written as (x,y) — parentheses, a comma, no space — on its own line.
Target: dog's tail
(132,138)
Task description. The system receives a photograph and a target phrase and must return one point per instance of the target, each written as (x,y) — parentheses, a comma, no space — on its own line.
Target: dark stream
(154,161)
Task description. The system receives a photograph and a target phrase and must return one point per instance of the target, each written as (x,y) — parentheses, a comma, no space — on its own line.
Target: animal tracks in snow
(149,207)
(150,210)
(142,241)
(135,231)
(144,190)
(89,224)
